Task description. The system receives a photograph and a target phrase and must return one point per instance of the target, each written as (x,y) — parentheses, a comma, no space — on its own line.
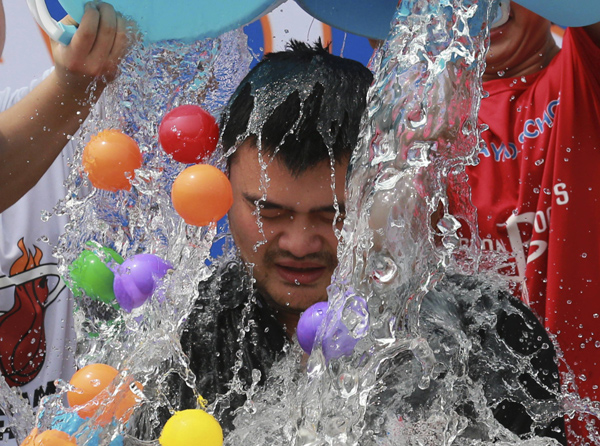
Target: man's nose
(301,237)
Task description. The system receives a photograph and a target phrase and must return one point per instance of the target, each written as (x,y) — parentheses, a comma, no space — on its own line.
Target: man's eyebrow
(266,204)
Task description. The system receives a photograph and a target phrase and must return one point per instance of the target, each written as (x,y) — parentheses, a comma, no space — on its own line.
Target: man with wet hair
(295,120)
(289,131)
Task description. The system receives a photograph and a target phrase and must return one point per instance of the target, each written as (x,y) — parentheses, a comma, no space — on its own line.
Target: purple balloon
(337,340)
(309,324)
(135,279)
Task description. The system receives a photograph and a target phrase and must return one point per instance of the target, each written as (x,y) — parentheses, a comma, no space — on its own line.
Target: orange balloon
(29,439)
(110,158)
(201,194)
(125,403)
(93,379)
(50,437)
(90,381)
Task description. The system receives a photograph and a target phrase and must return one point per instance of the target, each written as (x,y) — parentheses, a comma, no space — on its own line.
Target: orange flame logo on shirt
(23,340)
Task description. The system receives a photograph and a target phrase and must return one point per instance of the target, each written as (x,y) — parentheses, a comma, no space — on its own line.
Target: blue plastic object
(372,18)
(366,18)
(565,13)
(185,20)
(70,423)
(182,19)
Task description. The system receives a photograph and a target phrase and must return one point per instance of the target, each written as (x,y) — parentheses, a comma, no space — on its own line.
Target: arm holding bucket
(34,131)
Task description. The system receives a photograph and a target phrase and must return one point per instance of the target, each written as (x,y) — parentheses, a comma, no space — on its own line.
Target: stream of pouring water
(419,133)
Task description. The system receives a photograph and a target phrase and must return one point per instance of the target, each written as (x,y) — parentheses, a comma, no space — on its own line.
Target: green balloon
(91,274)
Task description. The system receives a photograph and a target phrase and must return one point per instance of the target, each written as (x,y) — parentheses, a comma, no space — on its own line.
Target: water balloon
(89,382)
(90,273)
(345,327)
(201,194)
(309,323)
(51,437)
(188,133)
(110,159)
(71,422)
(192,426)
(136,278)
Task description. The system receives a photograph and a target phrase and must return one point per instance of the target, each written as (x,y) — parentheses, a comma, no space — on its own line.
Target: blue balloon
(182,19)
(70,423)
(67,422)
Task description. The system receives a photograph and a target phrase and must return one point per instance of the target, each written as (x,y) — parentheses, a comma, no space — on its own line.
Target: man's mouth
(300,273)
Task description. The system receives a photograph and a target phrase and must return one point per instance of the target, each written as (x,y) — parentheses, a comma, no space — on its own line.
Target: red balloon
(189,134)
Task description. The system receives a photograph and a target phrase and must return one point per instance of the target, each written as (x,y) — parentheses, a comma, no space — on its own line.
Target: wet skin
(294,255)
(521,46)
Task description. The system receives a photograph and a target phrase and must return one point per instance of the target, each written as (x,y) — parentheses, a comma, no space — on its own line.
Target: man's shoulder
(228,287)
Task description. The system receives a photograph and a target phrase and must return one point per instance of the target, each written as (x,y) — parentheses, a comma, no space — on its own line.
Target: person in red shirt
(536,186)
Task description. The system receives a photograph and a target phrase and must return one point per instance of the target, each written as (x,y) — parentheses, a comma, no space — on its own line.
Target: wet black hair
(300,103)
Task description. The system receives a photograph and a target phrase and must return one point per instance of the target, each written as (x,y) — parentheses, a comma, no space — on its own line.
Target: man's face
(292,246)
(514,43)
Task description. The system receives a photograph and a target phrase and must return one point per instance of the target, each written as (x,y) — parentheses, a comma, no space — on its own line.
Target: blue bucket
(185,20)
(372,18)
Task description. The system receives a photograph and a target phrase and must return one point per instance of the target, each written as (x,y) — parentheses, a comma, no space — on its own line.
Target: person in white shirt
(36,323)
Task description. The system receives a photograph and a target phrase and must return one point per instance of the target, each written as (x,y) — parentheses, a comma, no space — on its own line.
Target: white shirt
(37,339)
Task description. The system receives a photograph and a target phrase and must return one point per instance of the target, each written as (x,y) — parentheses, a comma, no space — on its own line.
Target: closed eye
(272,213)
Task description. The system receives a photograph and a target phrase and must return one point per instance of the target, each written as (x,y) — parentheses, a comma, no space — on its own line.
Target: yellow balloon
(191,427)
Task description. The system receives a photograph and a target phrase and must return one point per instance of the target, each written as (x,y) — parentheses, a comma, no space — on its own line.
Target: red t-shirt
(537,191)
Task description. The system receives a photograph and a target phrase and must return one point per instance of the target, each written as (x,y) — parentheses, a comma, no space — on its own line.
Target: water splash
(420,131)
(142,344)
(406,379)
(435,365)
